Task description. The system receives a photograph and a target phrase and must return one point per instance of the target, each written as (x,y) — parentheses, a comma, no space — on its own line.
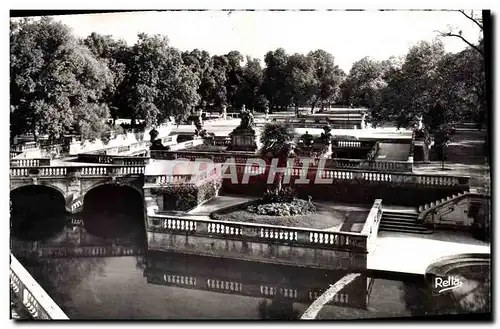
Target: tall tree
(115,54)
(200,63)
(251,87)
(158,85)
(234,77)
(363,84)
(328,76)
(410,91)
(57,85)
(304,86)
(276,85)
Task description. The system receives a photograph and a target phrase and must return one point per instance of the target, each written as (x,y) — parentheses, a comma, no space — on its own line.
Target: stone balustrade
(25,146)
(14,154)
(371,176)
(347,144)
(221,141)
(370,229)
(36,301)
(83,171)
(181,178)
(258,232)
(393,166)
(30,162)
(113,159)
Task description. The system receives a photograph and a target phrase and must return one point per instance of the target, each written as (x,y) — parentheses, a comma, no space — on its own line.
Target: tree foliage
(60,84)
(56,84)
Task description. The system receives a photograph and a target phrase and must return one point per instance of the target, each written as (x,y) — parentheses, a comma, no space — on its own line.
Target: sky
(347,35)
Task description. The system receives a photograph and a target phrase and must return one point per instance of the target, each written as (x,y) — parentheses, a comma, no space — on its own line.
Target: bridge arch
(38,211)
(15,187)
(116,184)
(113,210)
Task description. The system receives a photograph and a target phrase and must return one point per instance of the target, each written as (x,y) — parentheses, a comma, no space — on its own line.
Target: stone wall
(255,251)
(353,191)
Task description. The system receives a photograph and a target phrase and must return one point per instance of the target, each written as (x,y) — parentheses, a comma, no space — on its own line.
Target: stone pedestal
(243,139)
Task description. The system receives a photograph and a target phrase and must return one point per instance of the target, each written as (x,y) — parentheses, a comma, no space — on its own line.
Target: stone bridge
(73,182)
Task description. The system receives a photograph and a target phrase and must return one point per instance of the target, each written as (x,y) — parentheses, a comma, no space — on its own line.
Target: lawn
(325,218)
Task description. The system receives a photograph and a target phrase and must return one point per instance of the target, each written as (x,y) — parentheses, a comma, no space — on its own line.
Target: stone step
(402,224)
(399,220)
(400,214)
(404,230)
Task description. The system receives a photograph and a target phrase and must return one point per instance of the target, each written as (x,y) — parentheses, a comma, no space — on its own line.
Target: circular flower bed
(292,208)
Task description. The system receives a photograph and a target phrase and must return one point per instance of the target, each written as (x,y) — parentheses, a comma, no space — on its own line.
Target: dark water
(94,267)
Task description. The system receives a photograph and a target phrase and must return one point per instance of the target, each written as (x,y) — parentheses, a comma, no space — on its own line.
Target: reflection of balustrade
(66,251)
(36,301)
(224,285)
(339,298)
(180,279)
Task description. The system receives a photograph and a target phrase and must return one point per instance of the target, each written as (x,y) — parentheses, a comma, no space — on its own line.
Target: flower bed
(185,197)
(295,207)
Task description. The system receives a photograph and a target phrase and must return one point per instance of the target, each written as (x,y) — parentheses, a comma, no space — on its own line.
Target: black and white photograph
(232,164)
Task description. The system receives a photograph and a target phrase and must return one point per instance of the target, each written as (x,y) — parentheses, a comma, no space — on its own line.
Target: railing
(14,154)
(424,210)
(258,232)
(30,162)
(369,176)
(398,166)
(76,171)
(34,298)
(215,156)
(182,178)
(352,144)
(76,251)
(186,144)
(113,159)
(221,141)
(25,146)
(370,229)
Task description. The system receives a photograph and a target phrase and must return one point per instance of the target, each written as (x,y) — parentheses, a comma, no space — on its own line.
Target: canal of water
(95,266)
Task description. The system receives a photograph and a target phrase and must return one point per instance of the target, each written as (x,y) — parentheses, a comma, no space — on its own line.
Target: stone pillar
(363,123)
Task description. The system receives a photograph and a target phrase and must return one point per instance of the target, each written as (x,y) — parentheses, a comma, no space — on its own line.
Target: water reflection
(76,262)
(36,212)
(283,285)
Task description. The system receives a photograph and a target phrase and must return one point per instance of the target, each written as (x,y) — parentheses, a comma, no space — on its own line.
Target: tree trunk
(35,137)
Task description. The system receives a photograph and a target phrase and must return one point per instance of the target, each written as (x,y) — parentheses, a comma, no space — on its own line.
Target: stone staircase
(404,222)
(438,202)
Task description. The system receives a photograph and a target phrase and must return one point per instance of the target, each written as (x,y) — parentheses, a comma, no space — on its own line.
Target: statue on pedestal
(156,144)
(199,132)
(243,137)
(246,119)
(363,121)
(224,112)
